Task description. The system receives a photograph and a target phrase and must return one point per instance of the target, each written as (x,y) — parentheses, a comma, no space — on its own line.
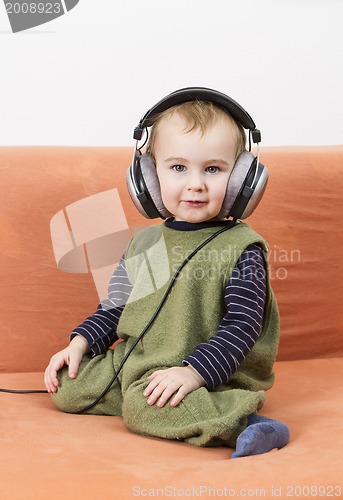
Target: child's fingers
(155,379)
(167,394)
(50,380)
(163,392)
(155,392)
(154,397)
(155,374)
(74,363)
(181,393)
(75,356)
(50,376)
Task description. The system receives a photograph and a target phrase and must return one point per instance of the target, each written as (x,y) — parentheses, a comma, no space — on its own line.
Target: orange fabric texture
(48,454)
(45,453)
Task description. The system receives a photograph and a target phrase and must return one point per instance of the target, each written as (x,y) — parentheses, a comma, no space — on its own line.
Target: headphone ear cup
(236,180)
(149,174)
(258,191)
(245,189)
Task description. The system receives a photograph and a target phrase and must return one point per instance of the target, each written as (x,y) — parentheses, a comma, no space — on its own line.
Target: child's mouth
(195,203)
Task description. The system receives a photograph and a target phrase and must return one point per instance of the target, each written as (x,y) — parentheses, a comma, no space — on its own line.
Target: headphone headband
(247,180)
(203,94)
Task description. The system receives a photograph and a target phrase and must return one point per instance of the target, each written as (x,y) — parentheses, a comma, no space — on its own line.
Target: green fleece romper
(190,315)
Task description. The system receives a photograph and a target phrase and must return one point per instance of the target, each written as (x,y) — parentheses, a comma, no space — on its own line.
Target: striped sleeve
(217,359)
(100,329)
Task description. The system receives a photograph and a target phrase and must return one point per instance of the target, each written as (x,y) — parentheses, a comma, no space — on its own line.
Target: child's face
(194,169)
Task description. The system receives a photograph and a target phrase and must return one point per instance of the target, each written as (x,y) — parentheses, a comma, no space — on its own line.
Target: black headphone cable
(28,391)
(156,313)
(146,328)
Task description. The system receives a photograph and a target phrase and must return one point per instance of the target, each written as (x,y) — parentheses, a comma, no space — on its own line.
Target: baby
(211,334)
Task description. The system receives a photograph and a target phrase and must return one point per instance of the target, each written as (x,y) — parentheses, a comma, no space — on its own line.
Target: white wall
(87,77)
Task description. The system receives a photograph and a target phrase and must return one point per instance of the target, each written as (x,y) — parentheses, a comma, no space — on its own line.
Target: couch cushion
(49,454)
(300,217)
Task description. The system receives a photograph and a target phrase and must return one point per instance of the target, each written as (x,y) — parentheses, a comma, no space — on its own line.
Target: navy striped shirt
(217,359)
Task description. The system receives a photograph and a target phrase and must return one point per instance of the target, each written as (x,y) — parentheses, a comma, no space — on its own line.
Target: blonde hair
(198,115)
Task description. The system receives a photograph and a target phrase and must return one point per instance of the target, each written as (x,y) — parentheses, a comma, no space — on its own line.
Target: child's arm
(215,361)
(70,356)
(96,334)
(100,329)
(245,296)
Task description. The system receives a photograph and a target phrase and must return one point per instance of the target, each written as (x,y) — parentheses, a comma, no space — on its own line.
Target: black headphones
(248,178)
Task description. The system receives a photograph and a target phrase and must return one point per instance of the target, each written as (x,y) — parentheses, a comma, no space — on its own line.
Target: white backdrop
(87,77)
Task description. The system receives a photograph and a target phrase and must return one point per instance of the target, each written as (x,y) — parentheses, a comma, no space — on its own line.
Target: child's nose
(196,182)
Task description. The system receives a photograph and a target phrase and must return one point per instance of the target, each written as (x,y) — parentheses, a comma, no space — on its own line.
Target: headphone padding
(258,192)
(152,183)
(236,180)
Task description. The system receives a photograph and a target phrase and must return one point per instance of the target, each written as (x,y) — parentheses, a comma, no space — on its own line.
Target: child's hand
(164,383)
(70,356)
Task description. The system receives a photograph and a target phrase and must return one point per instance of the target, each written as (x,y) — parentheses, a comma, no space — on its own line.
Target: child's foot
(262,435)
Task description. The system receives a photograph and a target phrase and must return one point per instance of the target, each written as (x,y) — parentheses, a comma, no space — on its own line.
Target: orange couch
(53,268)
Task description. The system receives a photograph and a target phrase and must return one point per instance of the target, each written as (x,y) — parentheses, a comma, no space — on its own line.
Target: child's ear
(149,200)
(245,187)
(149,173)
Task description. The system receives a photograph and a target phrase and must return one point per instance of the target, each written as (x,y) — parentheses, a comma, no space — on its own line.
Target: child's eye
(179,168)
(212,170)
